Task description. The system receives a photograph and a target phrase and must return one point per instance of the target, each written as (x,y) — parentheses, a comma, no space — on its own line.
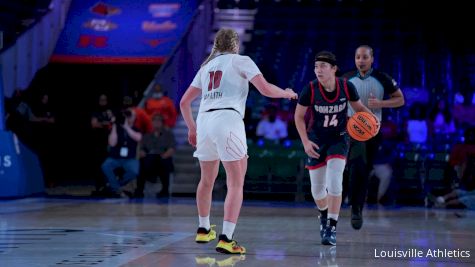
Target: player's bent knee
(319,194)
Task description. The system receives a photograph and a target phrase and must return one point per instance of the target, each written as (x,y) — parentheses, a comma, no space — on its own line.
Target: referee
(372,87)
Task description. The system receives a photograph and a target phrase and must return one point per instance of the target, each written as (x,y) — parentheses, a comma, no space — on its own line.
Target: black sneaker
(356,217)
(323,225)
(329,237)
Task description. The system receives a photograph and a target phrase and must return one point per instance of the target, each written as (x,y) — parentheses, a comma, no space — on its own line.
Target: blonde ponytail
(210,57)
(226,41)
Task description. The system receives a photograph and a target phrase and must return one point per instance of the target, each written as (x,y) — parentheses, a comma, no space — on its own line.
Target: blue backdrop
(2,107)
(122,31)
(20,172)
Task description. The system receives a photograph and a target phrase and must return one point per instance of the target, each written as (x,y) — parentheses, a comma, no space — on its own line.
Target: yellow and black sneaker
(205,260)
(205,236)
(231,261)
(227,246)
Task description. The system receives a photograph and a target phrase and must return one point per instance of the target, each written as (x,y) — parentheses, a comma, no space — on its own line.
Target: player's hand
(373,102)
(192,137)
(378,123)
(126,125)
(311,149)
(290,94)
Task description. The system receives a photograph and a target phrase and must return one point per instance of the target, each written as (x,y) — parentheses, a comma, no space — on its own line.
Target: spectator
(384,159)
(102,116)
(441,118)
(463,112)
(44,130)
(156,151)
(101,124)
(143,123)
(123,143)
(43,111)
(417,127)
(382,169)
(163,105)
(271,127)
(457,198)
(462,159)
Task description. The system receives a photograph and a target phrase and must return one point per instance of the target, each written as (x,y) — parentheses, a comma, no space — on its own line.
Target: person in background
(45,131)
(442,121)
(156,157)
(458,198)
(142,122)
(123,141)
(163,105)
(101,124)
(417,128)
(272,127)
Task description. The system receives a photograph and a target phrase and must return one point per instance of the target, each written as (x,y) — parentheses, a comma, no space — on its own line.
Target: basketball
(362,126)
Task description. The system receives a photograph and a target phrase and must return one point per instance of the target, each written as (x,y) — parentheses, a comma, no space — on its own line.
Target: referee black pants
(360,163)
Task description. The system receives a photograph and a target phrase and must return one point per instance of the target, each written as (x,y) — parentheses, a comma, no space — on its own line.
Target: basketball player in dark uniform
(372,86)
(326,142)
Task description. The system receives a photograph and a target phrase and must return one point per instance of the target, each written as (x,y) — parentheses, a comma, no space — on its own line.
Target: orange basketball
(362,126)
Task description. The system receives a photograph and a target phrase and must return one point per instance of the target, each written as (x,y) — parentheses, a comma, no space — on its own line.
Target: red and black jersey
(329,109)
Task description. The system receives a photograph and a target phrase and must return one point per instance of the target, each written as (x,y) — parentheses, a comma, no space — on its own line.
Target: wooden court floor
(120,232)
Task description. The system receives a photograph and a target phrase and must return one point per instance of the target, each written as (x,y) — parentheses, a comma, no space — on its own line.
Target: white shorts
(221,136)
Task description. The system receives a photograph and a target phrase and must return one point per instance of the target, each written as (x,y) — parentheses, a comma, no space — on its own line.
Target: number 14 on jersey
(330,122)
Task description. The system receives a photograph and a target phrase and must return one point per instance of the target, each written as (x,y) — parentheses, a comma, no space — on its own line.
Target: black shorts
(337,147)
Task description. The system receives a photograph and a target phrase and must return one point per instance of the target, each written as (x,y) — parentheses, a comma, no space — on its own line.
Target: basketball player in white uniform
(218,134)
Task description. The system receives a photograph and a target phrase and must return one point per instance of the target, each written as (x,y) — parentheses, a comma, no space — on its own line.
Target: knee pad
(318,183)
(335,168)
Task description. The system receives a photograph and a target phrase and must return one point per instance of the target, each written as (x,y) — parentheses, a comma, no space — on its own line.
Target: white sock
(228,229)
(324,208)
(333,216)
(204,222)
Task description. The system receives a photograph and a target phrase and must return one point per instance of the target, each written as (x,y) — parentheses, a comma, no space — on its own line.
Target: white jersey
(224,82)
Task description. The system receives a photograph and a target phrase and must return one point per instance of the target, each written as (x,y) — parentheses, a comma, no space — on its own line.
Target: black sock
(333,222)
(324,213)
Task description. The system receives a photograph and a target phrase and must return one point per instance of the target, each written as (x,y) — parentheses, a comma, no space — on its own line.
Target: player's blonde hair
(226,41)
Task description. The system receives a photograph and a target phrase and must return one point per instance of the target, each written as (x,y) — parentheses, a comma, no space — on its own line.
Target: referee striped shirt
(374,83)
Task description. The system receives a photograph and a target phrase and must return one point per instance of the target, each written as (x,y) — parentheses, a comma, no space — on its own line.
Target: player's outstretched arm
(270,90)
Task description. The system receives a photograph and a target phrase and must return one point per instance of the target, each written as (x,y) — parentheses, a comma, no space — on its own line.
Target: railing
(177,73)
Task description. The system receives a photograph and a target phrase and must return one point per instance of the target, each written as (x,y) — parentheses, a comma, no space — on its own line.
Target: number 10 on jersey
(214,79)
